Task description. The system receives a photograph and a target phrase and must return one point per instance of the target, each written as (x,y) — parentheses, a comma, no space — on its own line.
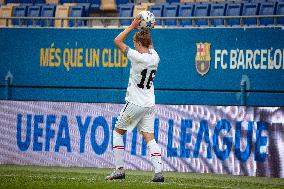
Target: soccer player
(139,110)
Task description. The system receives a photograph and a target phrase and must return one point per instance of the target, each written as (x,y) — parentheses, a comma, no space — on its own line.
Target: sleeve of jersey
(132,55)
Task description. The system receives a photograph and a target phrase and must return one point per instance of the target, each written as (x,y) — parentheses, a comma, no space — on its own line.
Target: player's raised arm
(119,40)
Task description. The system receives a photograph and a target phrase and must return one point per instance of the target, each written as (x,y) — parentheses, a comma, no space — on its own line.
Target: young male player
(139,110)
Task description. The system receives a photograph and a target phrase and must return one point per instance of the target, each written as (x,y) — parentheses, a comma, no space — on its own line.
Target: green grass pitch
(12,176)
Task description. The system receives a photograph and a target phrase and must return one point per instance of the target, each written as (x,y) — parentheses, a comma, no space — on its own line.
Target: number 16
(150,79)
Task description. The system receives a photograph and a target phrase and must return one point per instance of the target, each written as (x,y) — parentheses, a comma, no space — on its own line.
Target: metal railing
(106,21)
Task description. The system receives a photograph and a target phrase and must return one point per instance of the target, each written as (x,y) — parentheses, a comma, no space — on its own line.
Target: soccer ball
(147,20)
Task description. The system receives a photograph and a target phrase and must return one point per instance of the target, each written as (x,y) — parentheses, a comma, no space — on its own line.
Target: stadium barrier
(194,138)
(106,20)
(214,66)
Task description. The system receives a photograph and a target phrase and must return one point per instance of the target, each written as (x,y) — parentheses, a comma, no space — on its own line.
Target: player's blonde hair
(143,37)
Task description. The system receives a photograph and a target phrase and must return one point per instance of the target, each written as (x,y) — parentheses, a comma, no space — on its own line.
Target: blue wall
(43,66)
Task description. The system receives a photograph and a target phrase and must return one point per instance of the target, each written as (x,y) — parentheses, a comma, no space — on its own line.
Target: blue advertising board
(198,66)
(234,140)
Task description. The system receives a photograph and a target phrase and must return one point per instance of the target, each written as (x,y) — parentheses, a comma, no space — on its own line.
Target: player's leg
(128,118)
(118,151)
(118,147)
(155,152)
(146,126)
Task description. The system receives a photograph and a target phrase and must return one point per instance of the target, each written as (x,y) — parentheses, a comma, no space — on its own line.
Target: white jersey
(140,90)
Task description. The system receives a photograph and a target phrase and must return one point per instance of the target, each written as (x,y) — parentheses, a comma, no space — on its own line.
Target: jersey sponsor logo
(202,58)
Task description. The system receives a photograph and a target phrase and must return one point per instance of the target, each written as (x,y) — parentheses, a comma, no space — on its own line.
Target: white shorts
(132,116)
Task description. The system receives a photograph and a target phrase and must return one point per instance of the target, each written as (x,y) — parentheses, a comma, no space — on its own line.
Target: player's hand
(135,23)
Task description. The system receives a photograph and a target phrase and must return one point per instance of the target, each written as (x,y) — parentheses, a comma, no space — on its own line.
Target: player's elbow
(116,41)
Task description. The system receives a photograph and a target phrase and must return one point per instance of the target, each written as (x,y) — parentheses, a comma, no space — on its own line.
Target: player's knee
(118,132)
(148,136)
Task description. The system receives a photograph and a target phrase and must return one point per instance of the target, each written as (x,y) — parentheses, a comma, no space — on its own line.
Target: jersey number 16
(150,79)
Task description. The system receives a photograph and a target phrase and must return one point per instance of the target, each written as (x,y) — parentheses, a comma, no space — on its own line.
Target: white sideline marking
(90,179)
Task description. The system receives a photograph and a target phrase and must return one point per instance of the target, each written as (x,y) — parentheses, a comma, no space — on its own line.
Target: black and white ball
(147,20)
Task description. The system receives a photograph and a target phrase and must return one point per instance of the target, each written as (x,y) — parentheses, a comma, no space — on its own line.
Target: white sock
(118,149)
(155,152)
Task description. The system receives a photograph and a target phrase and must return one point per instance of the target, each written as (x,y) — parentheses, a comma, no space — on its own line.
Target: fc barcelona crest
(202,58)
